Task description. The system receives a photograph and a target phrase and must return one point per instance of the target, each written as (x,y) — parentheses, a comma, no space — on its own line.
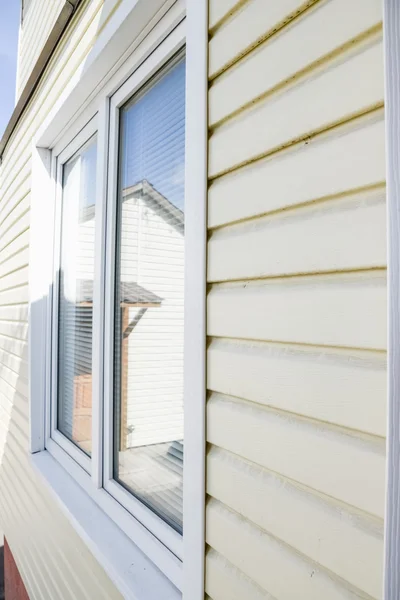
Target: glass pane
(76,298)
(148,440)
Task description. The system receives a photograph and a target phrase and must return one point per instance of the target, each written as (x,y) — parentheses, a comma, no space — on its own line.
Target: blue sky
(9,24)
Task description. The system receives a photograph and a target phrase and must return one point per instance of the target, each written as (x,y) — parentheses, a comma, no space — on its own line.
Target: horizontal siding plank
(317,170)
(17,312)
(21,175)
(15,262)
(17,204)
(290,51)
(247,27)
(14,279)
(224,581)
(314,526)
(325,310)
(269,563)
(13,346)
(14,247)
(21,225)
(334,463)
(15,363)
(342,388)
(220,9)
(301,111)
(18,295)
(35,38)
(11,382)
(14,329)
(333,236)
(20,168)
(18,211)
(14,218)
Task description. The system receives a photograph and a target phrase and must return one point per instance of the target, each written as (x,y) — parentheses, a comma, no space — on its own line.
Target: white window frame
(53,435)
(63,465)
(143,76)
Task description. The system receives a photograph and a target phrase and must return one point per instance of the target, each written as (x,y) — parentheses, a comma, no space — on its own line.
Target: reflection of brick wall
(82,419)
(13,585)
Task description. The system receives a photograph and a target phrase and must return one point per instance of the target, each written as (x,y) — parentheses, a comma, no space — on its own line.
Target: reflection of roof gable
(132,294)
(171,214)
(145,191)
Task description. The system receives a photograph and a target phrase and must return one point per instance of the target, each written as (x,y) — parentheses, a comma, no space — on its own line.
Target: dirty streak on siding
(296,367)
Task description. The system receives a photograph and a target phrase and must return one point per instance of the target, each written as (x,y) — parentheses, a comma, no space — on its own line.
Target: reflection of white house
(152,255)
(151,298)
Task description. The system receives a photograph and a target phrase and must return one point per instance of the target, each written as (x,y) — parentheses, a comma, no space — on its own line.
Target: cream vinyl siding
(296,363)
(53,560)
(37,21)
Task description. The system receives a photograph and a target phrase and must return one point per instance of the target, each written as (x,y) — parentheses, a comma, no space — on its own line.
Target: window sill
(132,572)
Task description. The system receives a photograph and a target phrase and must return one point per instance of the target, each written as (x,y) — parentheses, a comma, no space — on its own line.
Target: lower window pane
(148,439)
(74,408)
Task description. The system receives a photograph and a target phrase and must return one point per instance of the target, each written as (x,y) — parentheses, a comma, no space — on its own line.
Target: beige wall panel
(34,32)
(356,84)
(15,230)
(15,279)
(316,526)
(318,169)
(253,22)
(223,581)
(16,261)
(21,177)
(267,561)
(15,312)
(325,459)
(15,296)
(341,387)
(345,310)
(13,362)
(20,209)
(20,242)
(333,236)
(20,204)
(11,382)
(221,9)
(12,329)
(299,46)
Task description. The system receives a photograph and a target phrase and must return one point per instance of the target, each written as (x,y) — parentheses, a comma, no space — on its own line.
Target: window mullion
(108,408)
(99,296)
(51,413)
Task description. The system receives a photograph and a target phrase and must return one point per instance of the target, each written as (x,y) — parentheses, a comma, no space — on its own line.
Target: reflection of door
(128,324)
(124,378)
(82,409)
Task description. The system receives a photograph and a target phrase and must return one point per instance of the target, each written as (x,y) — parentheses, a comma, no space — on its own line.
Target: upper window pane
(74,418)
(148,439)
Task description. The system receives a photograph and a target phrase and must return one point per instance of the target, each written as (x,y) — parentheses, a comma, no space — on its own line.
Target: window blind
(148,353)
(76,298)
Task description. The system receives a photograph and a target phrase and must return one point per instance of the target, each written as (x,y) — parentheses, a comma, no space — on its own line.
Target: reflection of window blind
(76,299)
(149,325)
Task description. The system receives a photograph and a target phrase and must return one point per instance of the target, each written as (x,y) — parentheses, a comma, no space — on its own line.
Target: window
(75,310)
(118,302)
(112,311)
(148,346)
